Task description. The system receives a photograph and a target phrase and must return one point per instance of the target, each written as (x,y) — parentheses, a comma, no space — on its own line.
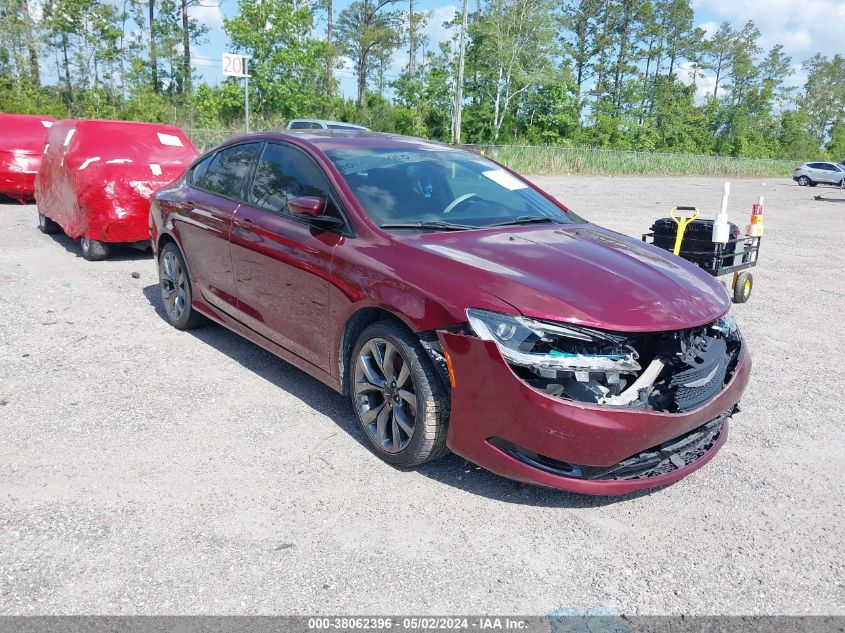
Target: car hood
(579,273)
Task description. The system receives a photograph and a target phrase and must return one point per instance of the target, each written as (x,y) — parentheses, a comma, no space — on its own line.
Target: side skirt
(251,335)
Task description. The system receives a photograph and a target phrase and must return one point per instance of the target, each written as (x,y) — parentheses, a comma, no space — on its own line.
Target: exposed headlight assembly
(726,325)
(547,347)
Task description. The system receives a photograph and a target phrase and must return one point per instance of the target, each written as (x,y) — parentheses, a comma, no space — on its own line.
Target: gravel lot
(146,470)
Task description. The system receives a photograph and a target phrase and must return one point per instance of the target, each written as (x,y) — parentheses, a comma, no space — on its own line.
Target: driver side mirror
(311,209)
(310,206)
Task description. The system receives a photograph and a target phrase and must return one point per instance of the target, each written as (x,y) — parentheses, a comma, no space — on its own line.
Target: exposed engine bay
(664,371)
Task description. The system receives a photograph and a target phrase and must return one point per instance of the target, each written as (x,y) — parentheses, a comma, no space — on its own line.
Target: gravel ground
(146,470)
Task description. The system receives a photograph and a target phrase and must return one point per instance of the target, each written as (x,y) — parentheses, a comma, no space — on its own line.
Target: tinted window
(335,126)
(300,125)
(284,173)
(817,165)
(229,169)
(198,171)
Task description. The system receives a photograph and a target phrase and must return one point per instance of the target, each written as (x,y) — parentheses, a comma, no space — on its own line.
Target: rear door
(204,220)
(283,264)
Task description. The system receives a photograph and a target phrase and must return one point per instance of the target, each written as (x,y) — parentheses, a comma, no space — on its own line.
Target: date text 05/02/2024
(416,623)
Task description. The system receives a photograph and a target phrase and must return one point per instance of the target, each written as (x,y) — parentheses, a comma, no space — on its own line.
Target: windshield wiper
(525,219)
(428,224)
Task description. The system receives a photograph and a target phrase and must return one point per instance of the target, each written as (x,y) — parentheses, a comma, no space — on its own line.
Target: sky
(803,27)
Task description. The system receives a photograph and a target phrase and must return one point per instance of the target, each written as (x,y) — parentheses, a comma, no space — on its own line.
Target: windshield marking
(503,178)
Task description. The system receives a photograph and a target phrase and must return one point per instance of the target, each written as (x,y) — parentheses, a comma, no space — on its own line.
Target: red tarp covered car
(21,145)
(97,178)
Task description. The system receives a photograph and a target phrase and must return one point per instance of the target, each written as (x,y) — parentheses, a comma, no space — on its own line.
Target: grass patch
(557,161)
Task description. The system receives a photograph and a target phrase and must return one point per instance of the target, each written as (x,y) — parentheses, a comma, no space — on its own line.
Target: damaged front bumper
(505,425)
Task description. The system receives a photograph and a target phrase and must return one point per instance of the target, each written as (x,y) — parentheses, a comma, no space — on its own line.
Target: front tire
(46,225)
(93,250)
(399,401)
(175,286)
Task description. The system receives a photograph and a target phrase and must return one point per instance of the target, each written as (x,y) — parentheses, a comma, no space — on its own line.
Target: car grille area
(654,462)
(708,366)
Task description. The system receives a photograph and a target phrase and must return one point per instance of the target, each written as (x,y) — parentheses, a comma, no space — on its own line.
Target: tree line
(628,74)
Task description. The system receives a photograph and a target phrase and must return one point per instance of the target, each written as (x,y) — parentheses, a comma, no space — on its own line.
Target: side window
(284,173)
(817,165)
(229,169)
(198,172)
(300,125)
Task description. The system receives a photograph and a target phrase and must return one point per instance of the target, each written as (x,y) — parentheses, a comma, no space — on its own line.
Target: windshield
(424,189)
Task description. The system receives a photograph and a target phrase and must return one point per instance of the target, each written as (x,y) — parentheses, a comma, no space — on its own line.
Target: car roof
(326,122)
(328,140)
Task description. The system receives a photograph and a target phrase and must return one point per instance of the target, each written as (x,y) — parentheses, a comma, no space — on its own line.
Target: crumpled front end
(608,413)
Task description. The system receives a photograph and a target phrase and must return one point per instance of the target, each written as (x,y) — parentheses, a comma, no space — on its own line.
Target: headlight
(553,346)
(726,325)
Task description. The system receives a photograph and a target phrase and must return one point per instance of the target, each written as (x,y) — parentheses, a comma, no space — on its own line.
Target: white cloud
(36,10)
(209,15)
(804,28)
(688,73)
(435,29)
(709,28)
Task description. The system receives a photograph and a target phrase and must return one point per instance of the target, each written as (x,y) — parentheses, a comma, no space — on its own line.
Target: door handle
(246,223)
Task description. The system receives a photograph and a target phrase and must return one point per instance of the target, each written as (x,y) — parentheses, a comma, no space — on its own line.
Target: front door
(282,264)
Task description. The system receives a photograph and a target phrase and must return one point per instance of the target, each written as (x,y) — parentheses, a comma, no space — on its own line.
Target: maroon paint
(490,401)
(282,271)
(202,224)
(307,205)
(292,287)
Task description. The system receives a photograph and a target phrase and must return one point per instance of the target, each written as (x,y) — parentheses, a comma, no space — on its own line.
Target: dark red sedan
(457,305)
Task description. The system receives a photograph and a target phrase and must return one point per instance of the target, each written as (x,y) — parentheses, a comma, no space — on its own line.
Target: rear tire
(803,181)
(398,398)
(175,287)
(743,286)
(93,250)
(46,225)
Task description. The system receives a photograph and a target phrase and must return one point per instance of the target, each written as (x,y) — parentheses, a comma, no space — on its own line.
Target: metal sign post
(236,66)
